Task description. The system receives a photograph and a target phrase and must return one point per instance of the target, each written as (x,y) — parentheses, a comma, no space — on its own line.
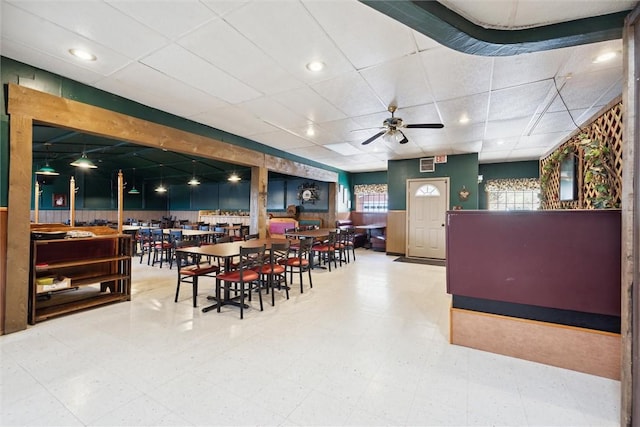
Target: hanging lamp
(46,169)
(134,190)
(194,181)
(161,188)
(83,162)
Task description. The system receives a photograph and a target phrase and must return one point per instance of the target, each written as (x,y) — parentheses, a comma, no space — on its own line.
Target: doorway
(427,204)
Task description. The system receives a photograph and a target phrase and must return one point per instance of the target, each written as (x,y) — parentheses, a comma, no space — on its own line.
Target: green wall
(528,169)
(13,71)
(462,170)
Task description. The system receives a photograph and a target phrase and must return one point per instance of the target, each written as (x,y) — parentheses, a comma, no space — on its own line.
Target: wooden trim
(289,167)
(3,264)
(18,231)
(630,211)
(66,113)
(583,350)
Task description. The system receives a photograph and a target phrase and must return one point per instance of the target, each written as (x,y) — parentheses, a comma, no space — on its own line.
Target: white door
(427,204)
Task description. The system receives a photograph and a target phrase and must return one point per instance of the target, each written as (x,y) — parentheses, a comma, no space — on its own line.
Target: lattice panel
(608,128)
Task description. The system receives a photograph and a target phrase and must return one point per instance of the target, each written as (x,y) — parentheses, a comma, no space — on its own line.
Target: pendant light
(194,181)
(46,169)
(234,177)
(161,188)
(83,162)
(134,190)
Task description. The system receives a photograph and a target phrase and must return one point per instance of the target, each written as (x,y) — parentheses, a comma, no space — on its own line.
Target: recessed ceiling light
(464,119)
(604,57)
(83,54)
(500,141)
(310,131)
(315,66)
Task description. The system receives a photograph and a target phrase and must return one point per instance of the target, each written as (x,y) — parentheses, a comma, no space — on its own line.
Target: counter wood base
(583,350)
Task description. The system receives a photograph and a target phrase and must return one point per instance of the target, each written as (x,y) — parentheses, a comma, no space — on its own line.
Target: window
(513,194)
(427,191)
(371,198)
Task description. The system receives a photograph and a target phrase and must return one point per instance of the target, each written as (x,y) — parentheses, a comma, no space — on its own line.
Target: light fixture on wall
(134,190)
(46,169)
(234,177)
(83,162)
(194,181)
(161,188)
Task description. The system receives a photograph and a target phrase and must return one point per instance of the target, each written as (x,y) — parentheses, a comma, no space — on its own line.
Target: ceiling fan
(393,124)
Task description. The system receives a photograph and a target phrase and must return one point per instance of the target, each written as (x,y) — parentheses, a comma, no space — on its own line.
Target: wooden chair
(349,238)
(190,270)
(245,278)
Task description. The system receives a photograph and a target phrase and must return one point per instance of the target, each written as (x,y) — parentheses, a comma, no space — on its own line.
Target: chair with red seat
(189,270)
(245,278)
(327,250)
(301,260)
(273,271)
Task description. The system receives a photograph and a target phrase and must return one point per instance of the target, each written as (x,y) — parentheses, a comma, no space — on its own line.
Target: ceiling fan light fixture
(83,163)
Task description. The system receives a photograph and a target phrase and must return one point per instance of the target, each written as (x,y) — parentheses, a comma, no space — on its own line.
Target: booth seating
(359,238)
(277,226)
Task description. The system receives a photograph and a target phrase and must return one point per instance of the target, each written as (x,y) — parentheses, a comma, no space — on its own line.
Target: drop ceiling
(240,66)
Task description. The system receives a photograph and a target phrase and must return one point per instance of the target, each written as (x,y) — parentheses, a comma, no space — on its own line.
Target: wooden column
(72,202)
(18,230)
(120,201)
(258,205)
(630,210)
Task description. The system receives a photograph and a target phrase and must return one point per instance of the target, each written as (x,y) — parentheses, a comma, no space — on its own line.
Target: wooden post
(36,203)
(258,204)
(120,201)
(72,202)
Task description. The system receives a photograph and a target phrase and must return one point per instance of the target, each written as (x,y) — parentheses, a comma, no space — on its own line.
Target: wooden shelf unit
(104,260)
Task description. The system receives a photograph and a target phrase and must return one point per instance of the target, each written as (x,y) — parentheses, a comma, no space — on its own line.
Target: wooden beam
(18,228)
(258,204)
(289,167)
(74,115)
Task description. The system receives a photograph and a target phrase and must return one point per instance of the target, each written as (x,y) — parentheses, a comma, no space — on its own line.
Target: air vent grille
(427,164)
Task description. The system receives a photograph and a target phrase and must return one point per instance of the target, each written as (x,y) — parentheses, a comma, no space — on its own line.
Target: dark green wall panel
(363,178)
(462,170)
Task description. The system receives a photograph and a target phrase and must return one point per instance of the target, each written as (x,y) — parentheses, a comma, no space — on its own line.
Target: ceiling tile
(282,140)
(351,94)
(518,101)
(245,61)
(171,18)
(529,67)
(311,105)
(275,113)
(452,74)
(349,24)
(474,107)
(100,22)
(140,83)
(234,120)
(399,82)
(183,65)
(506,128)
(298,40)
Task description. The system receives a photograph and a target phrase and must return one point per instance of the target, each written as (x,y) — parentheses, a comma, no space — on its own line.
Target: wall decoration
(463,194)
(308,192)
(59,200)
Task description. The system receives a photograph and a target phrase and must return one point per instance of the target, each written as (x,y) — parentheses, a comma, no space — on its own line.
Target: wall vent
(427,164)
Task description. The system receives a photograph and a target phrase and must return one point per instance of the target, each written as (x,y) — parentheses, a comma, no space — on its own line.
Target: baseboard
(583,350)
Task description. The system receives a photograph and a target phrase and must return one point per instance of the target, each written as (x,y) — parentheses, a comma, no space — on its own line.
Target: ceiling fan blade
(425,126)
(377,135)
(404,139)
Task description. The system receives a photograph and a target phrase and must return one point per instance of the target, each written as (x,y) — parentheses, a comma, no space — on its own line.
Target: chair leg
(218,293)
(242,302)
(309,272)
(177,290)
(273,298)
(260,297)
(195,290)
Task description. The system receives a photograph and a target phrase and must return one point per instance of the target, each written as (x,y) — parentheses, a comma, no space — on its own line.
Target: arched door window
(427,190)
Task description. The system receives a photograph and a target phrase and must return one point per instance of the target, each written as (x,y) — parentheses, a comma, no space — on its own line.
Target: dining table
(225,253)
(368,229)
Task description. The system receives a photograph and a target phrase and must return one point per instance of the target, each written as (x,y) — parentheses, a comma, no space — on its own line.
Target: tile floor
(366,346)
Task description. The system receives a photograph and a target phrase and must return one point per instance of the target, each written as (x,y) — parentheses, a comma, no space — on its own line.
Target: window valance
(512,184)
(370,189)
